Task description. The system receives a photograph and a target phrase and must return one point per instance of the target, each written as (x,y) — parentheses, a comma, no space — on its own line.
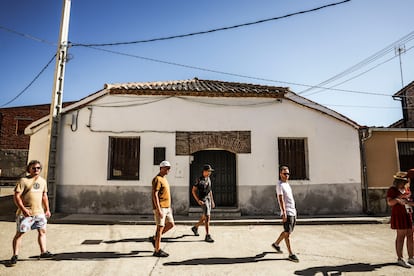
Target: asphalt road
(365,249)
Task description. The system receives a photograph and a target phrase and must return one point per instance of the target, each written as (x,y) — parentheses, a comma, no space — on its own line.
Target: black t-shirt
(203,187)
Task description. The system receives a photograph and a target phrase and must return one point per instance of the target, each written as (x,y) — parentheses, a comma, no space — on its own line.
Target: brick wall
(14,120)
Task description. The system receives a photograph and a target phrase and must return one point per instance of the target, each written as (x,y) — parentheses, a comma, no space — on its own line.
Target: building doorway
(223,178)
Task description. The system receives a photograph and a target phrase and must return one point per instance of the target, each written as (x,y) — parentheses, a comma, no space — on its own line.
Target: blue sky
(304,49)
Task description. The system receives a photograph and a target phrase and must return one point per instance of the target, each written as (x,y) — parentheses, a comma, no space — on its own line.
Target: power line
(230,74)
(27,36)
(364,62)
(213,30)
(356,76)
(31,83)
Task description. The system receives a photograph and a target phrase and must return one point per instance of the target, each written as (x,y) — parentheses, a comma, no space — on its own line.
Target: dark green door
(223,178)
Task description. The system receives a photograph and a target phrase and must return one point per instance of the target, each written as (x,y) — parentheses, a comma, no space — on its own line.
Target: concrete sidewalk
(92,219)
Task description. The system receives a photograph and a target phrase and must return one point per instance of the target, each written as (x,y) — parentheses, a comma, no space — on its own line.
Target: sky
(300,51)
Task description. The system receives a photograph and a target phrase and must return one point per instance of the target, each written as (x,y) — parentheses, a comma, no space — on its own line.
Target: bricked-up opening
(188,142)
(21,124)
(124,160)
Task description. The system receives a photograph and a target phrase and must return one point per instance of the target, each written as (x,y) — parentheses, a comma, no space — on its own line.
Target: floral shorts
(25,224)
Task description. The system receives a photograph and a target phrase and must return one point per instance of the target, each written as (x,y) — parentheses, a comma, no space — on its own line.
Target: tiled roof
(197,87)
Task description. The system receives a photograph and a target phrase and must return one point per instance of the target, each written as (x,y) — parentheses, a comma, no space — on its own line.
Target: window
(159,155)
(21,124)
(293,153)
(124,158)
(406,155)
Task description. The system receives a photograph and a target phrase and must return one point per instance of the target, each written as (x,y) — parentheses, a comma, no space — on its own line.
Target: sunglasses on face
(36,168)
(286,174)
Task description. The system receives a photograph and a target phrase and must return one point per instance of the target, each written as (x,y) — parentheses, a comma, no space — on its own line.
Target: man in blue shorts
(287,211)
(30,196)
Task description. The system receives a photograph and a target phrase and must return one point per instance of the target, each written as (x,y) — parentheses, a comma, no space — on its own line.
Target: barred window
(124,158)
(293,153)
(406,155)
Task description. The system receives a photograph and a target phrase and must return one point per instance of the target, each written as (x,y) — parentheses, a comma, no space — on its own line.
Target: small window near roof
(159,155)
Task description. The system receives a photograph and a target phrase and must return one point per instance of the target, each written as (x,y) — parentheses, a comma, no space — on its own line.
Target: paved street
(351,249)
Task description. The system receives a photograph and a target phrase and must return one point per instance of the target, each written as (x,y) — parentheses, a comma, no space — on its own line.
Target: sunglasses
(36,168)
(286,174)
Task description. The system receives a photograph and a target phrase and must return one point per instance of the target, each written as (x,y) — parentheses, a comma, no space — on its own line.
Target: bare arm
(17,198)
(45,201)
(156,201)
(394,201)
(194,192)
(282,207)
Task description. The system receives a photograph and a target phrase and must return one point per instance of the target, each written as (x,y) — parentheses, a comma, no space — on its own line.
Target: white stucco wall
(333,145)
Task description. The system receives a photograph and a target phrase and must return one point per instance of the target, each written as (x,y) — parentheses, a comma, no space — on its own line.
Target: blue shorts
(25,224)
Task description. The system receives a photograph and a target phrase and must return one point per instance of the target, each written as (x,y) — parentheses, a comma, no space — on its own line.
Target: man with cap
(161,205)
(204,197)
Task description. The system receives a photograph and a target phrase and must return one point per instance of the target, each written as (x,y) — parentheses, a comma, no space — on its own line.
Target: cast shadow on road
(339,269)
(224,261)
(174,239)
(84,256)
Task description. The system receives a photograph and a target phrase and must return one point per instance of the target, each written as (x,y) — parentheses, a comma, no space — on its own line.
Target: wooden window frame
(124,158)
(293,152)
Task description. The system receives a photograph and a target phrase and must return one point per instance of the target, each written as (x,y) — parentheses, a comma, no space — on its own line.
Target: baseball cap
(207,167)
(165,164)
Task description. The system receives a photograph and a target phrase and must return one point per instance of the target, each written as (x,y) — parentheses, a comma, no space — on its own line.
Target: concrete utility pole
(56,104)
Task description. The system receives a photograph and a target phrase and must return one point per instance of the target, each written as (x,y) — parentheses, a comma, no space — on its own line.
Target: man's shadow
(338,270)
(169,240)
(224,261)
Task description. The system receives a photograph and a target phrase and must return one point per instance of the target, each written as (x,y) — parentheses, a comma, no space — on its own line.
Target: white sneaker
(402,263)
(411,261)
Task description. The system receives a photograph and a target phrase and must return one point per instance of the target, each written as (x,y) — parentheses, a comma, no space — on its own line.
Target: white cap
(165,164)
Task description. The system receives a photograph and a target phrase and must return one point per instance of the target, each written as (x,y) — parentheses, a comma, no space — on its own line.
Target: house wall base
(312,200)
(377,201)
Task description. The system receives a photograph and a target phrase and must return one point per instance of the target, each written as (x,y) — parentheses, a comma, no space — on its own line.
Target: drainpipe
(364,134)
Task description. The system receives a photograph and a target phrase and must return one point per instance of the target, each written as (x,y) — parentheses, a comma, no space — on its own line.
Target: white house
(112,141)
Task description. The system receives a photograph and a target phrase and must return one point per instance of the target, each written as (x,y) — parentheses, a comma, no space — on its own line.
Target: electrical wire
(231,74)
(213,30)
(27,36)
(31,83)
(365,62)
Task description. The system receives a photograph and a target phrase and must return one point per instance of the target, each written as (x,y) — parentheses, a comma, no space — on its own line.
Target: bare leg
(17,242)
(158,234)
(41,239)
(207,224)
(201,221)
(167,227)
(399,242)
(410,243)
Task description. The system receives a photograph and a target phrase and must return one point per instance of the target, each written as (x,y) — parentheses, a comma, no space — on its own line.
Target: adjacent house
(111,144)
(387,150)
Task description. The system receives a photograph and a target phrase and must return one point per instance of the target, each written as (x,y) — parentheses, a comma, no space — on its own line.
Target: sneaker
(13,260)
(152,240)
(195,231)
(402,263)
(161,254)
(277,247)
(46,254)
(208,239)
(411,261)
(293,258)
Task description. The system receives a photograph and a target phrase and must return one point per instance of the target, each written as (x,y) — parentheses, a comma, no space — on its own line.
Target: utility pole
(56,104)
(398,51)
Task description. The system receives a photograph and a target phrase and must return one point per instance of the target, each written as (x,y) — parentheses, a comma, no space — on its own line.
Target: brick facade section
(13,120)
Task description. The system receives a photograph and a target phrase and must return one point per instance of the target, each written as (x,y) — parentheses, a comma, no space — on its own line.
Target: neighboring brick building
(14,145)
